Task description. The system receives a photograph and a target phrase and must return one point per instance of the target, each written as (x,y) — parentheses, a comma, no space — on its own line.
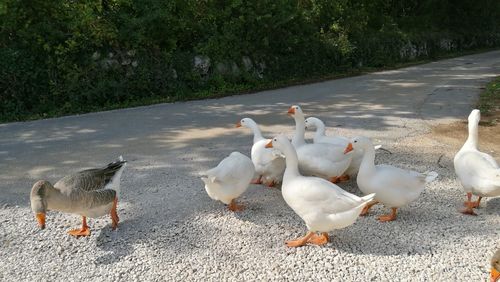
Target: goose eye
(355,141)
(275,139)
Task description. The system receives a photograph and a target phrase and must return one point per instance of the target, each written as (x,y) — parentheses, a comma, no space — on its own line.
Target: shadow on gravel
(119,244)
(492,207)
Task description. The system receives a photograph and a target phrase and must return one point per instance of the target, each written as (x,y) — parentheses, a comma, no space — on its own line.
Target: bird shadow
(117,243)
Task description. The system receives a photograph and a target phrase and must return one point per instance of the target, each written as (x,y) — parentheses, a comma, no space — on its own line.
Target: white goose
(88,193)
(394,187)
(320,137)
(320,159)
(229,179)
(319,134)
(478,172)
(269,166)
(322,205)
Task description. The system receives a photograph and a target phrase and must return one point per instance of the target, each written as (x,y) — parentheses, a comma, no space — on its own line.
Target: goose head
(246,122)
(359,143)
(38,198)
(295,111)
(312,123)
(474,116)
(495,267)
(280,143)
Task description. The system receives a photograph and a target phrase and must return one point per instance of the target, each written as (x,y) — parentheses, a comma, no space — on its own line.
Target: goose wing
(394,177)
(326,196)
(90,179)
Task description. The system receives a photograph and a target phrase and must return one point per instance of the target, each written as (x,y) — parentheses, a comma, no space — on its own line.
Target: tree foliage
(59,57)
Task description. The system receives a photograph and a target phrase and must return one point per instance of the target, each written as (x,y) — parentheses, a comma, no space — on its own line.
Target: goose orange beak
(40,217)
(270,144)
(495,274)
(291,111)
(348,148)
(238,124)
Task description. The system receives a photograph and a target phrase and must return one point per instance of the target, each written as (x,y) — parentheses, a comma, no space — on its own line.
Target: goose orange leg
(84,231)
(367,208)
(301,241)
(335,179)
(257,181)
(469,198)
(388,217)
(233,206)
(475,204)
(271,184)
(114,215)
(344,177)
(319,239)
(494,274)
(469,205)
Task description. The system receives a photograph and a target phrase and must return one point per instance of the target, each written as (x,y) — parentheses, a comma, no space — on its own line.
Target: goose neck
(368,162)
(257,134)
(472,139)
(291,160)
(54,197)
(300,131)
(320,131)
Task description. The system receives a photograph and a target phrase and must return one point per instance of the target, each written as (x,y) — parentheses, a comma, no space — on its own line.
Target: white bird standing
(478,172)
(323,160)
(320,137)
(229,179)
(322,205)
(394,187)
(269,166)
(319,134)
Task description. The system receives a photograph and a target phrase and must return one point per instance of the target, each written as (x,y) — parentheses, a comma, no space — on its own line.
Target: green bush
(59,57)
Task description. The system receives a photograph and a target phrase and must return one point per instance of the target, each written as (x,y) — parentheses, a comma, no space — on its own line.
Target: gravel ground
(171,230)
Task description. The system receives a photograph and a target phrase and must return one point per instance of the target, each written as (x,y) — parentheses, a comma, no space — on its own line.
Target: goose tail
(117,167)
(209,176)
(368,198)
(364,201)
(205,180)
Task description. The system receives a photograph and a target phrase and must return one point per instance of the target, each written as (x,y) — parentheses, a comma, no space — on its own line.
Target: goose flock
(309,175)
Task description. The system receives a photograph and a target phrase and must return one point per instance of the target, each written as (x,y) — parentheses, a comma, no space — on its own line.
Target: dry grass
(489,127)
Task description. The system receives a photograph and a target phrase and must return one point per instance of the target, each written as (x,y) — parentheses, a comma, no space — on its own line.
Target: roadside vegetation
(489,102)
(64,57)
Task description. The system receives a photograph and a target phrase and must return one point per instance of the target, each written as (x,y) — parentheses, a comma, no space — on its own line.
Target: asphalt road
(171,230)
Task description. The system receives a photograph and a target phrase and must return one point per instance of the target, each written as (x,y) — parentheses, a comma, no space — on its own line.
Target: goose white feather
(394,187)
(230,178)
(477,171)
(323,160)
(269,166)
(114,184)
(320,137)
(322,205)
